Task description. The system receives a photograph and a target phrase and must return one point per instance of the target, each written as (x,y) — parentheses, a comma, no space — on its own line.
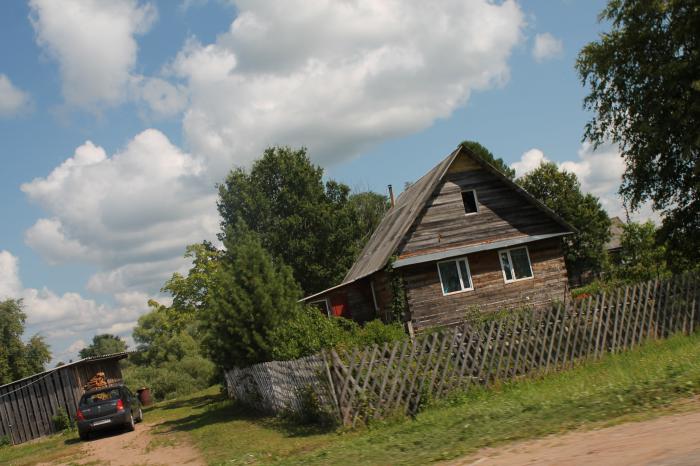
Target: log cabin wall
(428,307)
(503,213)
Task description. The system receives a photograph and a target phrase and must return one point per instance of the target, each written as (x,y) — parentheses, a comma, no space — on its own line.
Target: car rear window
(100,397)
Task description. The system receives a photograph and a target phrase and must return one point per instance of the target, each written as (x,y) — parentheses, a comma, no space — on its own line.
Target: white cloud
(600,173)
(529,161)
(94,44)
(131,214)
(63,318)
(13,101)
(338,77)
(547,47)
(10,285)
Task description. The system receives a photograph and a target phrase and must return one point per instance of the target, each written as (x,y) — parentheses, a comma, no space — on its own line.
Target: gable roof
(407,208)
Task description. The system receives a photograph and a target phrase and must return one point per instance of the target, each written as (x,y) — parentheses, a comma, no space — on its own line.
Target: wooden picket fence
(376,382)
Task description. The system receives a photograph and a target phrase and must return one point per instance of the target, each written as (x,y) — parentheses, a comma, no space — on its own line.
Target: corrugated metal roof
(121,355)
(463,251)
(397,221)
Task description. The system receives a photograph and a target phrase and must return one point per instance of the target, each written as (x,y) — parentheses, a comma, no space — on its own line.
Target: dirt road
(672,440)
(144,446)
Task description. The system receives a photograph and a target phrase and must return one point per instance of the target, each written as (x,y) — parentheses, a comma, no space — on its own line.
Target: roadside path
(144,446)
(672,440)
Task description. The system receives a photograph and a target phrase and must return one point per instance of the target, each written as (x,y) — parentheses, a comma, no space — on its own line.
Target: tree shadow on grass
(218,409)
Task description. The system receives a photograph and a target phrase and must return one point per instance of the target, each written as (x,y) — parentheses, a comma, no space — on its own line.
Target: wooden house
(27,405)
(463,237)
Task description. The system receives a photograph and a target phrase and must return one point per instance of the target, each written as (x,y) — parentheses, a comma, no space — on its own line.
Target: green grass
(619,387)
(641,383)
(60,447)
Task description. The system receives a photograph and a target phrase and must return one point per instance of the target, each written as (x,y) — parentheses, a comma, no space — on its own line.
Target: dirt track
(144,446)
(672,440)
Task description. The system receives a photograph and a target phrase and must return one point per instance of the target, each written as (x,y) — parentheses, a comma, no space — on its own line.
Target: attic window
(469,200)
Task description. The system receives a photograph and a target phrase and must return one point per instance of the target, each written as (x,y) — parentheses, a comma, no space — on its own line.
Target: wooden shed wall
(503,213)
(428,306)
(26,407)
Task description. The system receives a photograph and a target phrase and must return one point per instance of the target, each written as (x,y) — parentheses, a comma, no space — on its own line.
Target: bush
(5,441)
(308,331)
(173,378)
(61,420)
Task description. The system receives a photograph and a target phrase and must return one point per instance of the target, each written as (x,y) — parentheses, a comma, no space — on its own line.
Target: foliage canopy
(644,82)
(19,359)
(103,344)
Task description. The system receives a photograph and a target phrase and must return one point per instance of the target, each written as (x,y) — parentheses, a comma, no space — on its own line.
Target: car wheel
(130,426)
(139,418)
(84,436)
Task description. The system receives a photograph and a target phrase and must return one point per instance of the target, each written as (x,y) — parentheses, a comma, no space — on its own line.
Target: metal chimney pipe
(391,195)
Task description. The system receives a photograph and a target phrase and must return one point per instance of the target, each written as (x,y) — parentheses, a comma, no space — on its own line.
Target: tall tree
(641,257)
(561,191)
(17,359)
(307,223)
(644,81)
(103,344)
(486,154)
(251,295)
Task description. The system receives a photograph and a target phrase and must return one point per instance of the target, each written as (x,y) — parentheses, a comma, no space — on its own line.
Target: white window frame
(476,201)
(459,271)
(326,304)
(510,261)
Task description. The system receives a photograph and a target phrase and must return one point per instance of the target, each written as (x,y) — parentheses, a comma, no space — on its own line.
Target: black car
(109,407)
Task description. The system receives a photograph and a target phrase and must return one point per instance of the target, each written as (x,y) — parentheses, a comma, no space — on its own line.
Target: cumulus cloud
(13,101)
(63,318)
(94,44)
(338,77)
(547,47)
(131,214)
(600,173)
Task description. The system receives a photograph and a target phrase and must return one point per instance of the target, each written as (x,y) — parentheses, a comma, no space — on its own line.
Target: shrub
(61,420)
(173,378)
(5,441)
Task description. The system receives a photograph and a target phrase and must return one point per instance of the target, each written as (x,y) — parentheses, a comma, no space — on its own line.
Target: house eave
(465,250)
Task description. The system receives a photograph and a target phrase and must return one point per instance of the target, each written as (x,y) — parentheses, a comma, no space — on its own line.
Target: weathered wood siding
(503,213)
(429,307)
(27,406)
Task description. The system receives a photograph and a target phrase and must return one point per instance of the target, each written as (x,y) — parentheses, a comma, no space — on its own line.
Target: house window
(469,200)
(455,276)
(515,264)
(322,305)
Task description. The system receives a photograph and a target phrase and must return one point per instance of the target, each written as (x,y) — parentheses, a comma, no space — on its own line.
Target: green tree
(17,359)
(644,82)
(251,295)
(190,293)
(641,257)
(305,222)
(561,191)
(486,154)
(366,210)
(103,344)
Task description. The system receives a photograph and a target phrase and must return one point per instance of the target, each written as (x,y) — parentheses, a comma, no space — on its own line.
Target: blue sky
(171,95)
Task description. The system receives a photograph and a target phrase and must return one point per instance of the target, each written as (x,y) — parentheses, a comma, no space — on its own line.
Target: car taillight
(80,415)
(120,405)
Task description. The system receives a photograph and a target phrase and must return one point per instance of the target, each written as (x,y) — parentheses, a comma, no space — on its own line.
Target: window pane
(469,200)
(505,265)
(450,277)
(521,264)
(466,279)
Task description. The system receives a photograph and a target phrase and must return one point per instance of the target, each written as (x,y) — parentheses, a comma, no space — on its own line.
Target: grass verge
(62,448)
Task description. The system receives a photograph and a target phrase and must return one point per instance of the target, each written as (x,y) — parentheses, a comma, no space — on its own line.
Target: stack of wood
(97,381)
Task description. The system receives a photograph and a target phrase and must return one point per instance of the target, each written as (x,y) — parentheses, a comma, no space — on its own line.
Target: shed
(27,405)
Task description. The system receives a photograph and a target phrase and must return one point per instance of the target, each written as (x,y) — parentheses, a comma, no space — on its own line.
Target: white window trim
(326,304)
(476,201)
(510,261)
(459,271)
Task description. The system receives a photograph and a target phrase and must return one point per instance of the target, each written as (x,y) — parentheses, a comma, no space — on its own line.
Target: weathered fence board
(376,382)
